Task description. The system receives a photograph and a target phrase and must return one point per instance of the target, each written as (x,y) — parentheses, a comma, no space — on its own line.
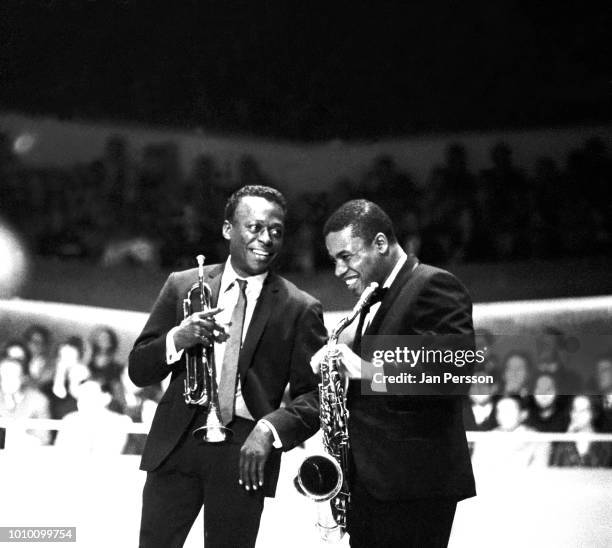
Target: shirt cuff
(172,356)
(277,444)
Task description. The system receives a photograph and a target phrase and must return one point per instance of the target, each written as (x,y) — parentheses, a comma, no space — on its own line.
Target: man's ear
(381,243)
(226,229)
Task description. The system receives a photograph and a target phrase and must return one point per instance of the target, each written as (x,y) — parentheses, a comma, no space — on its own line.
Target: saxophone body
(324,477)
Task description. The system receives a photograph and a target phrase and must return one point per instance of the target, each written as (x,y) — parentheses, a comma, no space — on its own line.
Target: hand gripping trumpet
(324,477)
(201,377)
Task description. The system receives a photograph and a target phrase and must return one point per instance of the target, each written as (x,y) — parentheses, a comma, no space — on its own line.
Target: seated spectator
(546,410)
(93,428)
(18,400)
(583,417)
(600,385)
(551,350)
(18,351)
(39,368)
(479,414)
(103,363)
(509,451)
(516,372)
(70,371)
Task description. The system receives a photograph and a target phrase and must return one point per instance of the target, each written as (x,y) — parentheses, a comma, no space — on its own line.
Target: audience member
(103,363)
(18,400)
(39,369)
(93,428)
(516,374)
(583,417)
(70,371)
(509,452)
(546,410)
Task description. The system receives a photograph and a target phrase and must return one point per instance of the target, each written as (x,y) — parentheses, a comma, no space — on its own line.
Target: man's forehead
(259,208)
(343,240)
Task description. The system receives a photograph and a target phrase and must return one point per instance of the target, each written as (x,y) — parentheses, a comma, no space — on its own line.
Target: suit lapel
(261,314)
(214,282)
(405,273)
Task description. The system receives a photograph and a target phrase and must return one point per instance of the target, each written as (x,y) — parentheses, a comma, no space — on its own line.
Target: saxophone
(324,477)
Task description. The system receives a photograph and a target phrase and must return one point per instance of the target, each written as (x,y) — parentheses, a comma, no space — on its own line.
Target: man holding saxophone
(409,462)
(260,332)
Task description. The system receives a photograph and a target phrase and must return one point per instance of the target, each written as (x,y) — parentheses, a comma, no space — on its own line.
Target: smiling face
(357,263)
(255,235)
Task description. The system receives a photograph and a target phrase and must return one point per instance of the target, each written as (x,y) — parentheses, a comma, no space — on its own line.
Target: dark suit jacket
(411,446)
(285,331)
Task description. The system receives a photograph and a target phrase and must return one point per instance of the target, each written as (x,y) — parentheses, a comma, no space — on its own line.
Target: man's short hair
(365,218)
(269,193)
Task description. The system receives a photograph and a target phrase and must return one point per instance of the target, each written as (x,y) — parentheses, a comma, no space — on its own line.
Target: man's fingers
(209,313)
(261,463)
(242,469)
(253,472)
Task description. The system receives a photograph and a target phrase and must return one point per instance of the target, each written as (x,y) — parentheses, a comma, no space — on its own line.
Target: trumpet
(323,477)
(200,372)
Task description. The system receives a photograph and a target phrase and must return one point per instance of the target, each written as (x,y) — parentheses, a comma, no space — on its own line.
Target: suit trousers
(197,474)
(419,523)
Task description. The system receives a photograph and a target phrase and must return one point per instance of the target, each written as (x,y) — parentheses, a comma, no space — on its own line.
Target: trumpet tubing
(200,372)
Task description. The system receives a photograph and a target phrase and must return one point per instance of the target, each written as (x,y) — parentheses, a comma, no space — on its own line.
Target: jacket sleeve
(299,419)
(147,361)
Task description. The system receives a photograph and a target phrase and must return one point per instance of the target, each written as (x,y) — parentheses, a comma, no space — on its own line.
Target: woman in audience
(583,417)
(546,410)
(40,371)
(516,373)
(479,413)
(70,371)
(104,346)
(20,401)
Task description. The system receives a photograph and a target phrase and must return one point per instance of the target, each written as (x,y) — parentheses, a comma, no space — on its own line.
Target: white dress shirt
(228,297)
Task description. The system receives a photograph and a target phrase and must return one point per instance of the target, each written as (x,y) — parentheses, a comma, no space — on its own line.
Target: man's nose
(264,236)
(339,269)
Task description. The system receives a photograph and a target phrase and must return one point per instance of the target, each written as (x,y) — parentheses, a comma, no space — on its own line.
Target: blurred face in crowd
(104,341)
(509,414)
(481,393)
(37,344)
(604,374)
(90,397)
(17,352)
(255,235)
(68,354)
(545,391)
(515,373)
(357,262)
(11,376)
(581,414)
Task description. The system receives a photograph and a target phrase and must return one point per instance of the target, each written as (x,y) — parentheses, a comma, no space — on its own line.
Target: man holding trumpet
(262,332)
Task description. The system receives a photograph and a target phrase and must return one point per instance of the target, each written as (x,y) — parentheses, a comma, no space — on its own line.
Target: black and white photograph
(279,273)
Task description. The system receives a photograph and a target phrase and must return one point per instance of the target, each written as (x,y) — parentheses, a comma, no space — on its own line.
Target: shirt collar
(229,276)
(398,266)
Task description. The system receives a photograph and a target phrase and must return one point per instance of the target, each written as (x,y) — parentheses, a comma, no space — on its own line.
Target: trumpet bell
(319,477)
(213,434)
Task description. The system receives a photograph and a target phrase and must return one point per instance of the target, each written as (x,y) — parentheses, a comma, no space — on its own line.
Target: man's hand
(350,362)
(253,456)
(199,328)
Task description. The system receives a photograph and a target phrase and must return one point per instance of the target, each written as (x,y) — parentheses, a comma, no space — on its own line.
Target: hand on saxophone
(199,328)
(350,363)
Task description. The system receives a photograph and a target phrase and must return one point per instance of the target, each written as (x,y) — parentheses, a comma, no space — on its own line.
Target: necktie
(229,370)
(376,297)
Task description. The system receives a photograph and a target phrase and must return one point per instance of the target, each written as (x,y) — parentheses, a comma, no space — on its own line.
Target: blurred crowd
(116,209)
(82,383)
(537,392)
(78,381)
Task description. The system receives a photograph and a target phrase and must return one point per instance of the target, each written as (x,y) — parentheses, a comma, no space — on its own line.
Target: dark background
(306,70)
